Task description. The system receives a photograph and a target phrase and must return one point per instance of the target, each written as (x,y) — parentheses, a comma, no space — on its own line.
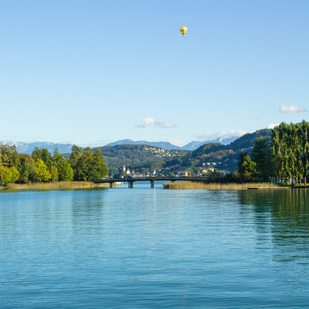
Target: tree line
(82,165)
(285,158)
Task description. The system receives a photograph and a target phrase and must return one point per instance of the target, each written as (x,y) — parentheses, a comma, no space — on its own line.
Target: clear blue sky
(93,71)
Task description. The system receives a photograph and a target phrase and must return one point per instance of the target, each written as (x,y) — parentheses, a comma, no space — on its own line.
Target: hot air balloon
(183,30)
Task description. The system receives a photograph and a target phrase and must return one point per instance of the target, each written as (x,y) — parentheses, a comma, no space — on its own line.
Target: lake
(154,248)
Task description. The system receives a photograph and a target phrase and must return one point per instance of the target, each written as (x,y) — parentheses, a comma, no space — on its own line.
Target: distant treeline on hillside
(146,159)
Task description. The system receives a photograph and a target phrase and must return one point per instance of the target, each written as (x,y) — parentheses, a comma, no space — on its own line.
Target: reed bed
(56,185)
(183,185)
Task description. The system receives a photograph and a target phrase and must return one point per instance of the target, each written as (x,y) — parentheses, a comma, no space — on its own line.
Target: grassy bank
(56,185)
(218,186)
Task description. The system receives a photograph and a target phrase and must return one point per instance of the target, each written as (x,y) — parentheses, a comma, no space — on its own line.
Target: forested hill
(224,157)
(135,155)
(247,141)
(143,158)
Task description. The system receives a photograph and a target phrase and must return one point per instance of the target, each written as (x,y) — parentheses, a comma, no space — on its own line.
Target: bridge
(152,180)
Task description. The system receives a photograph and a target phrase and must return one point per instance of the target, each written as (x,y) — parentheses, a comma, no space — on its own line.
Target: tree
(5,174)
(87,165)
(261,155)
(8,155)
(41,173)
(75,155)
(246,168)
(100,169)
(54,173)
(42,154)
(14,174)
(26,168)
(305,149)
(57,159)
(66,172)
(290,151)
(8,174)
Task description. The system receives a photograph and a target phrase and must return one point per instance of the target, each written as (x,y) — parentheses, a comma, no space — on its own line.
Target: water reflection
(284,215)
(87,211)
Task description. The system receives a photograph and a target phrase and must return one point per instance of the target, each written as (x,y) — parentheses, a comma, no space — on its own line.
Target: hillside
(136,155)
(164,145)
(223,157)
(247,141)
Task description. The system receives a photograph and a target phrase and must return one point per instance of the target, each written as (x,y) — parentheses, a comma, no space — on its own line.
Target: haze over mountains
(28,147)
(24,147)
(168,146)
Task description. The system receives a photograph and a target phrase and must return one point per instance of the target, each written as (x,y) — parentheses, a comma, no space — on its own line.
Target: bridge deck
(151,179)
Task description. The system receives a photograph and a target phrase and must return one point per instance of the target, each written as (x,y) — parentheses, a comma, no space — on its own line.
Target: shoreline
(65,185)
(186,185)
(182,185)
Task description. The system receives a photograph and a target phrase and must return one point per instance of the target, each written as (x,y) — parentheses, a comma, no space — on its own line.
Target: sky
(90,72)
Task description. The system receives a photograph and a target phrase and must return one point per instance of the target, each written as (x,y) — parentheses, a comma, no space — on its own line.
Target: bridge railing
(132,180)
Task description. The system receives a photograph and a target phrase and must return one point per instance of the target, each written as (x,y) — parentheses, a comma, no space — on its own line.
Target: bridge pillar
(110,184)
(152,183)
(131,184)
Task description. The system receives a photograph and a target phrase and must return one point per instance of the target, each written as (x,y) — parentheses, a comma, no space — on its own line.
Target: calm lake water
(153,248)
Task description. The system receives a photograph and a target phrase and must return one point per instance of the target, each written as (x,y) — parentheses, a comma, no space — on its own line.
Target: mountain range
(24,147)
(168,146)
(28,147)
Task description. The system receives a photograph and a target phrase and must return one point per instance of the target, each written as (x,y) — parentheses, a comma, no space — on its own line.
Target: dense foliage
(41,166)
(285,158)
(290,149)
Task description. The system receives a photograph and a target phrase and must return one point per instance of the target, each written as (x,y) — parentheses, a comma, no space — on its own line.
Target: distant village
(207,169)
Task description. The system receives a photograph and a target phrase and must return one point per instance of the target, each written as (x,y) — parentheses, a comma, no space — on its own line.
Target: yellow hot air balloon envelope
(183,30)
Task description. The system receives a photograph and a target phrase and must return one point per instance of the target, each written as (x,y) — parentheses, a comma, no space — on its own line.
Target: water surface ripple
(153,248)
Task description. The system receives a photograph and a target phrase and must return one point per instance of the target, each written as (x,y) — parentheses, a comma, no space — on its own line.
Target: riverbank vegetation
(42,167)
(188,185)
(285,158)
(62,185)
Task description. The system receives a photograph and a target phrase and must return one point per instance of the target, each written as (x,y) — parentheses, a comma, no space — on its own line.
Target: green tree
(246,168)
(87,165)
(290,151)
(57,159)
(76,154)
(66,172)
(261,155)
(100,169)
(26,168)
(305,149)
(14,174)
(8,155)
(5,174)
(8,174)
(41,173)
(54,173)
(42,154)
